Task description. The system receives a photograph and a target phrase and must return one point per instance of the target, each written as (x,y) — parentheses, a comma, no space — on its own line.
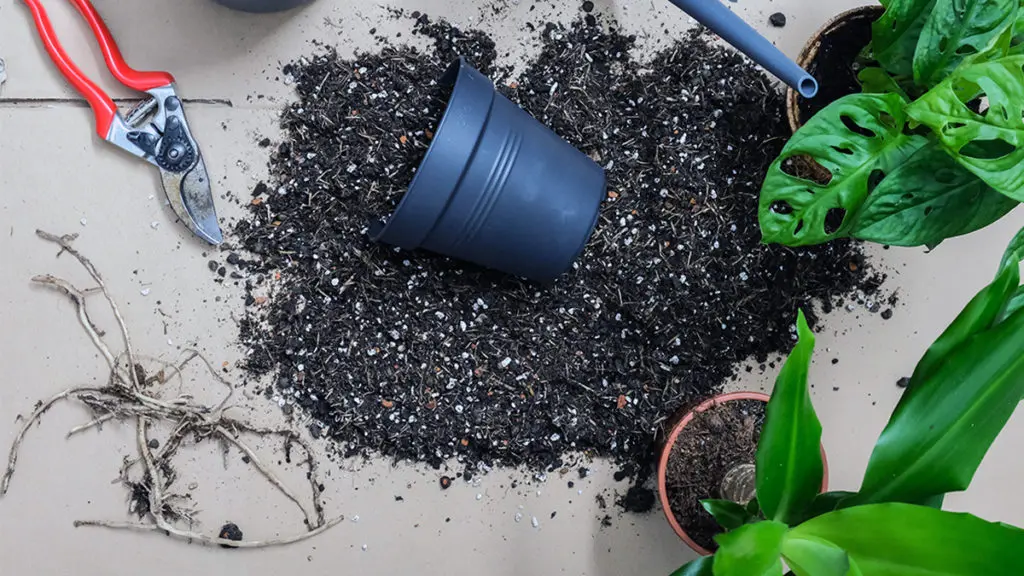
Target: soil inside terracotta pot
(713,443)
(835,64)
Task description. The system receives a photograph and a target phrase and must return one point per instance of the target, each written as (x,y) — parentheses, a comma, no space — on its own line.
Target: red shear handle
(102,105)
(141,81)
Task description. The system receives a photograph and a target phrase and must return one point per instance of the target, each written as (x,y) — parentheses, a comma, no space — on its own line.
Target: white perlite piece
(534,522)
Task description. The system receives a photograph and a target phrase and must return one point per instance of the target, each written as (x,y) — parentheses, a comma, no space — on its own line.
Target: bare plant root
(131,396)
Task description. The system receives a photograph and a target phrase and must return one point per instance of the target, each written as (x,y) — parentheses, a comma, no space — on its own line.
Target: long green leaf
(825,502)
(908,540)
(896,33)
(858,139)
(789,467)
(703,566)
(957,29)
(979,315)
(875,80)
(727,513)
(989,144)
(945,423)
(752,550)
(1015,303)
(812,556)
(926,200)
(1014,252)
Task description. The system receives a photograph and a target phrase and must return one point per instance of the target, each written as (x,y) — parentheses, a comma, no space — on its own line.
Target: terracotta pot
(666,451)
(810,51)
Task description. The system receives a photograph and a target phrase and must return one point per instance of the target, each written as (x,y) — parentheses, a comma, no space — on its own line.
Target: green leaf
(875,80)
(1014,252)
(751,550)
(1015,303)
(826,502)
(947,420)
(729,514)
(812,556)
(905,540)
(858,139)
(926,200)
(789,467)
(753,507)
(977,316)
(989,144)
(702,566)
(1017,36)
(896,33)
(958,29)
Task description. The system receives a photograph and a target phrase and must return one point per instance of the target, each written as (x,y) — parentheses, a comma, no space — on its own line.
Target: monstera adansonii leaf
(830,166)
(988,141)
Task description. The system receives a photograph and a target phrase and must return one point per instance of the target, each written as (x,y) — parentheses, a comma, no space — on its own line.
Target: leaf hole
(943,44)
(852,126)
(987,149)
(834,220)
(874,179)
(950,126)
(782,207)
(928,210)
(908,196)
(799,227)
(966,50)
(806,168)
(843,150)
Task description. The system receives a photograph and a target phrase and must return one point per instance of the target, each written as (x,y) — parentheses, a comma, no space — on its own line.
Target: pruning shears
(156,130)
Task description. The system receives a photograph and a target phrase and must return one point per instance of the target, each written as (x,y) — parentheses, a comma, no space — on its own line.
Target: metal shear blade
(192,200)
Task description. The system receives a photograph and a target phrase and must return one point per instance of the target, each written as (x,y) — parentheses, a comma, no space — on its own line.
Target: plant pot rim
(810,51)
(666,452)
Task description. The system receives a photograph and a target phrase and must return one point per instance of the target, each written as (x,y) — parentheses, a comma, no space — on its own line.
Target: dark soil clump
(417,357)
(712,444)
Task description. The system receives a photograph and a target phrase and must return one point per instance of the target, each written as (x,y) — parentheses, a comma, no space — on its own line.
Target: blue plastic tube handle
(735,31)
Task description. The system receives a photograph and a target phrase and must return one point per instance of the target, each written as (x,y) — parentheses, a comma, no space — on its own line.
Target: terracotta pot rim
(810,51)
(666,452)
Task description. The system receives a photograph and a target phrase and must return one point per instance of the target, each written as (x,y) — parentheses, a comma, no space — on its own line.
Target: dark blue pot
(497,188)
(263,5)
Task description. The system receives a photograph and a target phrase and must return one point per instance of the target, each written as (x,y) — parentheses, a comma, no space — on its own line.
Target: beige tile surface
(55,175)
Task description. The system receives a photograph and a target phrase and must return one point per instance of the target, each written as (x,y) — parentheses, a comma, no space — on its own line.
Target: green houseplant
(932,148)
(961,394)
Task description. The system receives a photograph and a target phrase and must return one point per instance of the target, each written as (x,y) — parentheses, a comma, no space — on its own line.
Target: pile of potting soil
(414,356)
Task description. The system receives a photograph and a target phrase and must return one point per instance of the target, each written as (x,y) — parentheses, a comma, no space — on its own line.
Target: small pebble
(519,516)
(230,531)
(887,314)
(903,382)
(479,496)
(778,19)
(364,547)
(534,522)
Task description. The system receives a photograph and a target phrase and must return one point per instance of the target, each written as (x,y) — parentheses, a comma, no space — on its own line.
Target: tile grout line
(34,102)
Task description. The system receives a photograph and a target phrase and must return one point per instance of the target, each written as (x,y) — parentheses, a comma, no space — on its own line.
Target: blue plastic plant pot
(497,188)
(263,5)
